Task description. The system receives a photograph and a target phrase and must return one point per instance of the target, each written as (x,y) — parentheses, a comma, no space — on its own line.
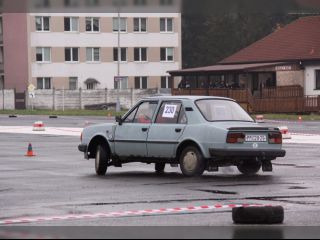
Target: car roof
(192,98)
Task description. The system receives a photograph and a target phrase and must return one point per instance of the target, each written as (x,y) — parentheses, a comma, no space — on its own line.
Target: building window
(141,82)
(317,79)
(121,83)
(123,53)
(1,26)
(43,24)
(1,82)
(71,24)
(167,54)
(166,2)
(92,24)
(72,54)
(71,3)
(140,2)
(92,3)
(91,86)
(166,25)
(140,54)
(73,83)
(42,4)
(140,25)
(123,25)
(1,55)
(166,82)
(43,54)
(93,54)
(43,83)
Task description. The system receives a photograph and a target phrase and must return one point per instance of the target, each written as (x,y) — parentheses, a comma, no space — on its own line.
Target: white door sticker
(169,111)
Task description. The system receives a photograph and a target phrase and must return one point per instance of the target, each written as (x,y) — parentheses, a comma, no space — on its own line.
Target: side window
(170,113)
(131,116)
(145,112)
(183,117)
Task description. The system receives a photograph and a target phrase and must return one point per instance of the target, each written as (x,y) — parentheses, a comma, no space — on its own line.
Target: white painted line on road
(124,214)
(76,132)
(297,138)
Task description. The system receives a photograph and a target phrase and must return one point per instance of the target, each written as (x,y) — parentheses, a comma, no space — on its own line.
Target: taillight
(81,137)
(275,138)
(234,138)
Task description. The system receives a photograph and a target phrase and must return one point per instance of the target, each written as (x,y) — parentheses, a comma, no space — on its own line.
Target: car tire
(101,161)
(192,163)
(258,215)
(160,167)
(249,168)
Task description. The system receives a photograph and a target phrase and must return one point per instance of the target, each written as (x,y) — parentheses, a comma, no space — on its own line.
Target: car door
(167,129)
(131,135)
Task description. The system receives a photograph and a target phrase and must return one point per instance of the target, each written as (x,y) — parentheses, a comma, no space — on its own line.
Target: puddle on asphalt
(218,192)
(292,165)
(297,188)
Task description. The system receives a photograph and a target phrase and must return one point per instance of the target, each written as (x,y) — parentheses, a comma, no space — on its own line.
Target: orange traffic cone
(30,151)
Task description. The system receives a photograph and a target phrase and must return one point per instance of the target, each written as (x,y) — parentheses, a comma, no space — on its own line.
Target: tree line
(215,29)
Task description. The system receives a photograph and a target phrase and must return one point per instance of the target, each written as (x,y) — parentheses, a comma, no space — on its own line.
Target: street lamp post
(118,106)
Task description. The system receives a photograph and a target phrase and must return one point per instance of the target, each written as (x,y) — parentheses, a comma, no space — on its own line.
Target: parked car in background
(101,106)
(198,133)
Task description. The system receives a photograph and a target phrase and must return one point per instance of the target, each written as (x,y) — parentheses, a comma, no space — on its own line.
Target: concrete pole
(118,107)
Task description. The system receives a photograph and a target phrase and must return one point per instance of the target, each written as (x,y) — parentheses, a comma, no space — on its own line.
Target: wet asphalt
(58,182)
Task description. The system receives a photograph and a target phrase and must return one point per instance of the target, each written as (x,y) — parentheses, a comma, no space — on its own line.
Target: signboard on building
(31,88)
(284,68)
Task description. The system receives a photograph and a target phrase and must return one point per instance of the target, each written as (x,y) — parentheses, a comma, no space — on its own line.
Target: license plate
(256,138)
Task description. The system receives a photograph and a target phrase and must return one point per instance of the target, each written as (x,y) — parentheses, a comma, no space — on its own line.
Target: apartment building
(79,50)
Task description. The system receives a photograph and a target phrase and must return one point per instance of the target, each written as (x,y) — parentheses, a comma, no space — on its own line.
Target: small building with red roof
(285,63)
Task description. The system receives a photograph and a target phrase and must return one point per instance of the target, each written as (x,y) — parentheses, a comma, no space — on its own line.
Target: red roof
(299,40)
(224,68)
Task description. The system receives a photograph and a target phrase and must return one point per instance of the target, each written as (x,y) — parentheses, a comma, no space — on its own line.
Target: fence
(7,99)
(78,99)
(307,104)
(288,99)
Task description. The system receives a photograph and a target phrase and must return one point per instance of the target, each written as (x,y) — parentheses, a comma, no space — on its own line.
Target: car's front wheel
(101,161)
(250,168)
(192,162)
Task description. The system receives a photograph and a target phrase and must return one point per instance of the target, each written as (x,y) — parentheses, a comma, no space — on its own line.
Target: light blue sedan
(198,133)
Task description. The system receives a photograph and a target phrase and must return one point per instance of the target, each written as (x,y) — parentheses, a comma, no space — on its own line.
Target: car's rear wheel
(160,167)
(192,163)
(250,168)
(101,161)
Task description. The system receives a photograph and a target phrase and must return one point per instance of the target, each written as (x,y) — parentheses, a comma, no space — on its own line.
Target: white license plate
(256,138)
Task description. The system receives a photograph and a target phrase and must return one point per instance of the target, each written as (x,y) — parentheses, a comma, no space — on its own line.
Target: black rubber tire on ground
(160,167)
(101,161)
(250,168)
(194,167)
(258,215)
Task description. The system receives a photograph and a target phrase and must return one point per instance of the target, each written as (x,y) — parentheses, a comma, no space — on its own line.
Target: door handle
(144,129)
(178,130)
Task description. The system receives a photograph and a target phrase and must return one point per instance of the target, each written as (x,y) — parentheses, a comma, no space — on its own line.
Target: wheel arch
(186,143)
(95,141)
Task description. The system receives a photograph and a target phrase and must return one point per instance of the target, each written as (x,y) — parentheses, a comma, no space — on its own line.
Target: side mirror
(119,120)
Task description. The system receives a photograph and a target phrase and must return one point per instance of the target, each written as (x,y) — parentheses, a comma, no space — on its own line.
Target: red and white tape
(123,214)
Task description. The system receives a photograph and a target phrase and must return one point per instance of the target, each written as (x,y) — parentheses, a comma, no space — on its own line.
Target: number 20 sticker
(169,111)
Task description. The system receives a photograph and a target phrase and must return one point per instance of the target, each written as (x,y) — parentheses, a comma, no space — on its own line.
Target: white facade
(310,80)
(105,70)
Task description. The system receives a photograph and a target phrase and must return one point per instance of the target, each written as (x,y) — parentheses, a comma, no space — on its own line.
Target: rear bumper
(247,153)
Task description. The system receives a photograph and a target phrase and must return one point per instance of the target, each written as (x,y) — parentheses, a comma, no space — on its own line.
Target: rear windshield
(222,110)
